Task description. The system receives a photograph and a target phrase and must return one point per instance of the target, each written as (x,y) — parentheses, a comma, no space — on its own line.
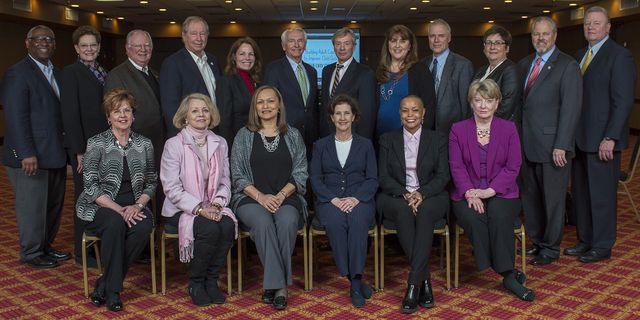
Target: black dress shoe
(268,295)
(410,301)
(280,302)
(532,251)
(520,277)
(577,250)
(98,297)
(42,262)
(58,255)
(114,303)
(214,293)
(542,260)
(199,295)
(593,256)
(366,291)
(425,298)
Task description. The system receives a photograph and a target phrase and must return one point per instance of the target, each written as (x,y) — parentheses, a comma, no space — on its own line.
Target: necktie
(586,62)
(302,82)
(145,70)
(336,80)
(434,72)
(52,80)
(532,76)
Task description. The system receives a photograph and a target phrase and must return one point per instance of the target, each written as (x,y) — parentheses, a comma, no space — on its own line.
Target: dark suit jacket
(148,117)
(551,110)
(452,105)
(608,97)
(179,77)
(33,122)
(359,82)
(507,78)
(433,165)
(421,84)
(358,178)
(299,115)
(234,107)
(81,102)
(503,158)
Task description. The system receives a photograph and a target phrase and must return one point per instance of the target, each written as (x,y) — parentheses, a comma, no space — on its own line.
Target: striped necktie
(302,82)
(336,80)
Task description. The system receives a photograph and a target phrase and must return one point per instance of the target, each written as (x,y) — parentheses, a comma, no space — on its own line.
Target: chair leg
(523,241)
(306,261)
(456,257)
(96,250)
(441,254)
(382,258)
(376,264)
(85,277)
(152,251)
(163,263)
(239,264)
(229,274)
(311,264)
(447,247)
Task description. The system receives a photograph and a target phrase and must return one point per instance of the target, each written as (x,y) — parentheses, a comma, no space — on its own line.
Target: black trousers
(491,233)
(120,245)
(415,233)
(595,199)
(544,203)
(78,186)
(212,241)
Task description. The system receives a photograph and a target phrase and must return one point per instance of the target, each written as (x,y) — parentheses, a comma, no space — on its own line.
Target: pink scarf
(194,184)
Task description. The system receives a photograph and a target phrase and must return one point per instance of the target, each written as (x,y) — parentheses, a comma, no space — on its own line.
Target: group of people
(411,141)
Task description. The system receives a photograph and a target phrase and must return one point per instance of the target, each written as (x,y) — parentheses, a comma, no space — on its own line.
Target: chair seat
(170,229)
(317,226)
(391,225)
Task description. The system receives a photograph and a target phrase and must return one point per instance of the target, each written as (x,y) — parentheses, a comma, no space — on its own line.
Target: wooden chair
(171,232)
(627,175)
(388,227)
(91,240)
(317,230)
(518,229)
(243,233)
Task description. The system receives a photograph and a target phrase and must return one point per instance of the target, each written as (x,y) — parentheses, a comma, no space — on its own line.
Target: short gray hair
(598,9)
(40,26)
(342,33)
(191,19)
(134,31)
(546,19)
(441,22)
(285,34)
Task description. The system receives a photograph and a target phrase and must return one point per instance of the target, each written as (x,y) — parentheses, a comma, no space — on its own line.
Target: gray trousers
(39,200)
(275,239)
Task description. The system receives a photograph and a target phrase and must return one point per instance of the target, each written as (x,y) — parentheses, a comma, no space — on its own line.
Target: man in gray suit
(33,154)
(552,98)
(135,75)
(452,74)
(609,77)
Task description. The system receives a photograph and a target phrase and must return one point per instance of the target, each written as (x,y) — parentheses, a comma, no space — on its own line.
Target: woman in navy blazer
(344,178)
(485,158)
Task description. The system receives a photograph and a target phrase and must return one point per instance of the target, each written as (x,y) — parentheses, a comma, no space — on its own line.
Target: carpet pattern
(566,289)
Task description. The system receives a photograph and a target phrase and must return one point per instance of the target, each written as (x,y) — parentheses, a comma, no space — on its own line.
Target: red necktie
(532,76)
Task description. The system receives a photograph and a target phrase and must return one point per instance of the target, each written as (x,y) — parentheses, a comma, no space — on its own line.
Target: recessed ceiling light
(313,1)
(507,1)
(144,2)
(354,21)
(162,10)
(425,1)
(228,1)
(232,22)
(120,18)
(572,4)
(75,6)
(172,22)
(413,8)
(238,9)
(546,11)
(100,12)
(486,8)
(524,17)
(314,8)
(294,22)
(490,21)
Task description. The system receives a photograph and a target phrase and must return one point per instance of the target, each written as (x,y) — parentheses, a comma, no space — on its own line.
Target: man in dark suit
(352,78)
(551,106)
(33,154)
(609,76)
(135,75)
(297,81)
(452,75)
(190,70)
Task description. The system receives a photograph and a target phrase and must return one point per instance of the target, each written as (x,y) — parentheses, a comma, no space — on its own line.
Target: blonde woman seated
(269,173)
(194,173)
(485,158)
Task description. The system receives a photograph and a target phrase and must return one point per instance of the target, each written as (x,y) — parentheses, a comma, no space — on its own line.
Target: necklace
(482,133)
(386,94)
(270,146)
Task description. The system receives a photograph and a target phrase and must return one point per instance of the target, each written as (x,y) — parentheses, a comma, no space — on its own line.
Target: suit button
(342,181)
(342,188)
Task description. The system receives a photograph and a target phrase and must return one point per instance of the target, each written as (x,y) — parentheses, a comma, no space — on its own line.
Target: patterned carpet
(566,289)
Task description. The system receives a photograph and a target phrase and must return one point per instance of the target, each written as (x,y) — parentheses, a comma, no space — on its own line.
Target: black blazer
(507,78)
(433,164)
(234,107)
(608,97)
(299,115)
(32,117)
(81,103)
(359,82)
(179,77)
(421,84)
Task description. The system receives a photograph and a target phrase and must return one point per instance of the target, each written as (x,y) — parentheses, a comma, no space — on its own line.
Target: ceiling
(257,11)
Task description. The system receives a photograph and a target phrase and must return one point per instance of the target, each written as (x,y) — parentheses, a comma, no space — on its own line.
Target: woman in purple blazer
(485,158)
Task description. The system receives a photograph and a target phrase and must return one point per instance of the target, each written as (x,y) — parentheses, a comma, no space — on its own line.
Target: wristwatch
(607,139)
(140,205)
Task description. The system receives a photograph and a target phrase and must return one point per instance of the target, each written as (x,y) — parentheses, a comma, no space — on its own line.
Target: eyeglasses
(490,43)
(42,39)
(123,111)
(88,46)
(140,46)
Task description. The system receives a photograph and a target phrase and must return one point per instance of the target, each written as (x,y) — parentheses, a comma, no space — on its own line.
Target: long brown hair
(254,123)
(231,68)
(382,73)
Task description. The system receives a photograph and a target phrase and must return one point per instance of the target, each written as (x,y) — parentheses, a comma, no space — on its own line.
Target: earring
(109,123)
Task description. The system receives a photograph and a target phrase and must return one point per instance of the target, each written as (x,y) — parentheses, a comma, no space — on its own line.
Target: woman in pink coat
(195,176)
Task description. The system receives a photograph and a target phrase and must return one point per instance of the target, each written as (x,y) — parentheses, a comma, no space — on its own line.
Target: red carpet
(566,289)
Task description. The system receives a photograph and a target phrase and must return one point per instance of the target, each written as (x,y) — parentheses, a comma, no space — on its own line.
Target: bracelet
(140,205)
(217,206)
(283,194)
(258,196)
(199,211)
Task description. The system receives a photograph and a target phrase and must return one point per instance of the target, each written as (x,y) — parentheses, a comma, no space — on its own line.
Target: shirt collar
(597,46)
(196,58)
(442,57)
(42,67)
(292,62)
(346,64)
(408,136)
(138,66)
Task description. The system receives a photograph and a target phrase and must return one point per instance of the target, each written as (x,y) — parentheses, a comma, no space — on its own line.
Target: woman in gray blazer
(119,180)
(269,176)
